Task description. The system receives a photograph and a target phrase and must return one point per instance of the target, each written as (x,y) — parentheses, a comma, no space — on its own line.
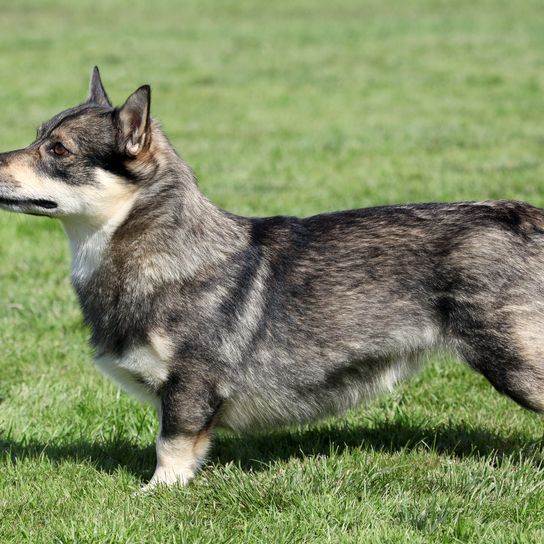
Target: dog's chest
(140,371)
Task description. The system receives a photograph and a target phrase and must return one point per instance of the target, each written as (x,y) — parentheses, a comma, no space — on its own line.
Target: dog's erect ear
(97,93)
(133,121)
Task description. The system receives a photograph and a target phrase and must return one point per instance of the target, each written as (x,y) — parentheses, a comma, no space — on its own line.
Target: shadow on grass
(256,451)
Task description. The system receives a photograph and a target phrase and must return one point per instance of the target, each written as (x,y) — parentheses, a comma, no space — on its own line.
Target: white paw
(168,478)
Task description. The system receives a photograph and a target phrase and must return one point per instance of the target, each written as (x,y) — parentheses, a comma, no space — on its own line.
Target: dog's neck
(167,228)
(89,241)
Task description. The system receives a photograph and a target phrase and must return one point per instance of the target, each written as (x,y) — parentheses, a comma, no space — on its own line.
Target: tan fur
(528,331)
(90,206)
(176,461)
(162,345)
(201,446)
(30,184)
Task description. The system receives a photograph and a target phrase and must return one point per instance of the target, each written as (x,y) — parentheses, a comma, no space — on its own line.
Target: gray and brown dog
(244,322)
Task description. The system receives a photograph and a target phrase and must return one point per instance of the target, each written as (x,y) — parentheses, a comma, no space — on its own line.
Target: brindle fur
(244,322)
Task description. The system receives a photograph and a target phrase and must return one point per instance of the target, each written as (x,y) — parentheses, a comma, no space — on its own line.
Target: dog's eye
(59,150)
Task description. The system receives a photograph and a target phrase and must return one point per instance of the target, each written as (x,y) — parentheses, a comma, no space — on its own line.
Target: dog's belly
(263,407)
(139,371)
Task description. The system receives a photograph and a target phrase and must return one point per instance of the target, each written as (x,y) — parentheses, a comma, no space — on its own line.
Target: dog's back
(341,306)
(290,319)
(225,320)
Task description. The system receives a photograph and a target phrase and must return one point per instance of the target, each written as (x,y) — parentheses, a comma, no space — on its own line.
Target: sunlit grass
(284,107)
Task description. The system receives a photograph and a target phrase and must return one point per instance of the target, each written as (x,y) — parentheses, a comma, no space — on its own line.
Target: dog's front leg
(186,419)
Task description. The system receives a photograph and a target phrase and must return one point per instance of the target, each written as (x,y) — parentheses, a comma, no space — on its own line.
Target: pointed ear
(97,93)
(133,121)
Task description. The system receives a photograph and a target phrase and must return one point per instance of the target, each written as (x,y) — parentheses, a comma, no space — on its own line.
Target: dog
(244,323)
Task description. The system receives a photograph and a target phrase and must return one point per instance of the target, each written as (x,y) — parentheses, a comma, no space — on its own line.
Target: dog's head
(84,160)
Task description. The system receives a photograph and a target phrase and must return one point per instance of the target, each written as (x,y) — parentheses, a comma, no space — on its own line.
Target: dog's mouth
(35,203)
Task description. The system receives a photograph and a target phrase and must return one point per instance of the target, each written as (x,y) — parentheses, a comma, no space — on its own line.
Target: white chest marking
(87,254)
(103,208)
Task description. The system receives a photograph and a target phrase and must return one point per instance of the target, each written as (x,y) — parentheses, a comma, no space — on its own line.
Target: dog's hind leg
(187,415)
(507,347)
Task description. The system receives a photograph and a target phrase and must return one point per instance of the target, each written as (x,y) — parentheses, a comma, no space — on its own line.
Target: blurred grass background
(291,107)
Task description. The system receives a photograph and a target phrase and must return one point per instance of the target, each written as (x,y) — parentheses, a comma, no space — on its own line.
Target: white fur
(176,462)
(87,247)
(143,362)
(90,213)
(31,186)
(89,233)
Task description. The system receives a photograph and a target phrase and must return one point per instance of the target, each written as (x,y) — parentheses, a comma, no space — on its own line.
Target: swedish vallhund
(222,320)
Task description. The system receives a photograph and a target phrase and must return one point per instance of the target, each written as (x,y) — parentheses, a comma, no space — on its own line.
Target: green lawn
(281,107)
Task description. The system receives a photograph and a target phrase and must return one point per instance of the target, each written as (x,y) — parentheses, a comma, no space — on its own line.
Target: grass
(281,107)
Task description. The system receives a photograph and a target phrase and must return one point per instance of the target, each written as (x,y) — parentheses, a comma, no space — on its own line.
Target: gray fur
(246,322)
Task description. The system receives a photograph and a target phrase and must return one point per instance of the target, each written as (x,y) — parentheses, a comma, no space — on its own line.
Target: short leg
(507,349)
(179,458)
(186,420)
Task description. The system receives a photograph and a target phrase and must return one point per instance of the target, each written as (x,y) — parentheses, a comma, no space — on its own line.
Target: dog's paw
(166,478)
